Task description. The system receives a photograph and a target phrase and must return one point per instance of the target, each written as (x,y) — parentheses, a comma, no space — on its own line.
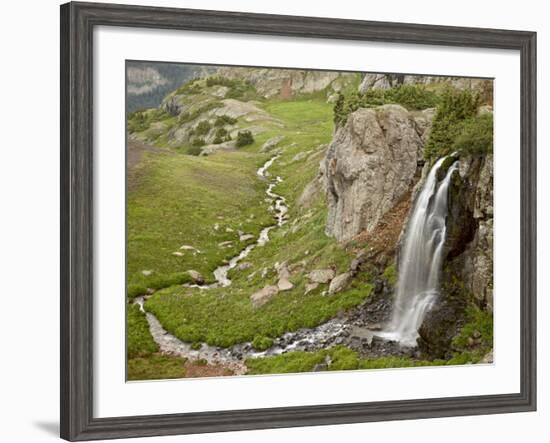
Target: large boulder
(321,276)
(340,282)
(196,276)
(261,297)
(272,143)
(370,165)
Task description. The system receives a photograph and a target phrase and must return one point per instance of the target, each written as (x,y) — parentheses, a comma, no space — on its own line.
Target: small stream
(233,357)
(279,209)
(332,332)
(349,330)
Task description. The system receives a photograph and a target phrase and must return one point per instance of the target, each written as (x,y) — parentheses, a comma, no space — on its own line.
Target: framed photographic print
(273,221)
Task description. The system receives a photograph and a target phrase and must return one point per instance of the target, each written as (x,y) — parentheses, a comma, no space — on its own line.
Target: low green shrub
(221,132)
(202,128)
(194,150)
(455,108)
(223,120)
(140,121)
(198,142)
(410,96)
(191,87)
(476,136)
(244,138)
(186,117)
(220,80)
(238,89)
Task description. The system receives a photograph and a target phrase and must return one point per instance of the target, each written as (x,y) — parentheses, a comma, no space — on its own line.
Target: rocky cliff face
(287,83)
(467,275)
(386,81)
(370,165)
(371,174)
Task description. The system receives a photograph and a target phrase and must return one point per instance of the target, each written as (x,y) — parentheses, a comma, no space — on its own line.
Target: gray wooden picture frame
(77,24)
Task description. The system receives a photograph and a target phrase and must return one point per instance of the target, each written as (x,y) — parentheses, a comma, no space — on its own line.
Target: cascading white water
(420,259)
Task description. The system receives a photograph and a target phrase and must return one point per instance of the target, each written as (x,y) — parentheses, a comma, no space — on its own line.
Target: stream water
(279,209)
(230,357)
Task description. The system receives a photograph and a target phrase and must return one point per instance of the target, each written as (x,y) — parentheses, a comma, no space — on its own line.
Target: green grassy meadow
(204,201)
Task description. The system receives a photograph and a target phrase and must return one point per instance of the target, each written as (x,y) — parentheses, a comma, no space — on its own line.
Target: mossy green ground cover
(139,342)
(179,201)
(341,358)
(144,362)
(155,367)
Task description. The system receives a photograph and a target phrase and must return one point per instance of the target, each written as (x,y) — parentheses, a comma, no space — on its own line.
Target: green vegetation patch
(412,97)
(476,136)
(238,89)
(195,202)
(476,336)
(223,120)
(144,361)
(190,196)
(189,116)
(244,138)
(457,127)
(142,120)
(140,342)
(338,358)
(262,343)
(156,367)
(390,274)
(202,128)
(225,316)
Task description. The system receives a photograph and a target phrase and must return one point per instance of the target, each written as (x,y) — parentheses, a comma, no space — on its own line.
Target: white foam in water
(420,260)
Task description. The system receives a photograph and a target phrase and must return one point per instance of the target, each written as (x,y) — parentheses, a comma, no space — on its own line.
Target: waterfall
(421,258)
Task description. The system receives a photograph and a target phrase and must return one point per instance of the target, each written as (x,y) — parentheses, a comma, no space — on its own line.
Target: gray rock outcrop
(287,83)
(196,277)
(320,276)
(272,143)
(261,297)
(386,81)
(340,282)
(369,167)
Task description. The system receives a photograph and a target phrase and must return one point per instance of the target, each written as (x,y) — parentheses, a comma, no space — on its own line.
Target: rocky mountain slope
(287,83)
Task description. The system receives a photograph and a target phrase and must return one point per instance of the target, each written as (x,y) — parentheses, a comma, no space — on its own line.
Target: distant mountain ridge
(149,82)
